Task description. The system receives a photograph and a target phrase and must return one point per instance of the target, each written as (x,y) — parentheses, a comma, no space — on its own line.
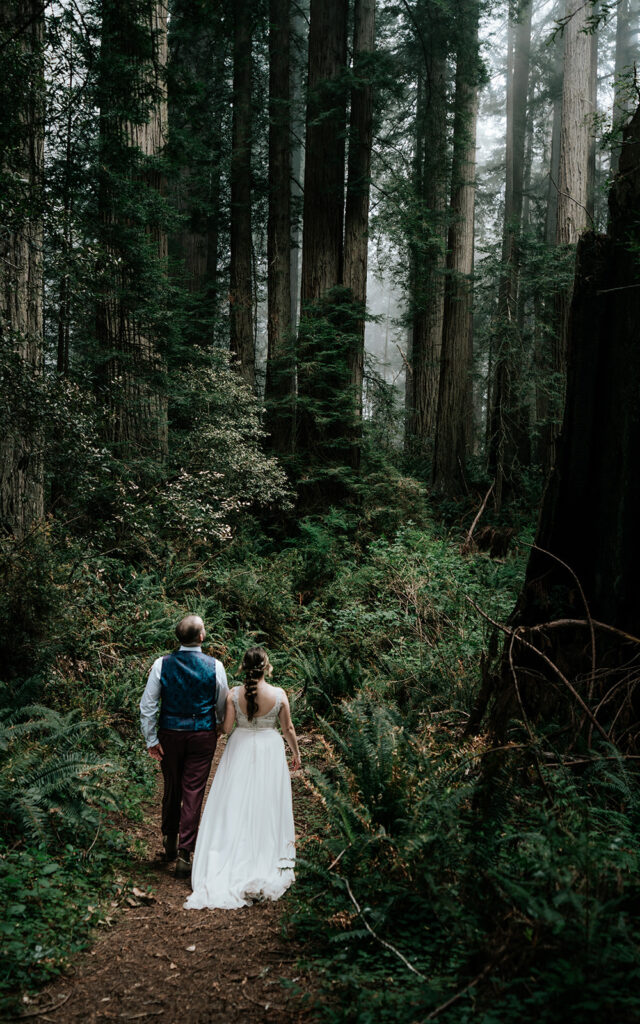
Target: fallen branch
(467,541)
(383,942)
(44,1009)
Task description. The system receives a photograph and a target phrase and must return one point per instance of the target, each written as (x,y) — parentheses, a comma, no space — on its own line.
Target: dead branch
(467,541)
(383,942)
(552,666)
(588,613)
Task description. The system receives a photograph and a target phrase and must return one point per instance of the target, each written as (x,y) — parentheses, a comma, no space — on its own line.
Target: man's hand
(156,752)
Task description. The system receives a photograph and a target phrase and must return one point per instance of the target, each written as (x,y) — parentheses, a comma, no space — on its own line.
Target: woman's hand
(296,764)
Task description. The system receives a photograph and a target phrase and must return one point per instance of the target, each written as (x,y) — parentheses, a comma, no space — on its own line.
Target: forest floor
(156,960)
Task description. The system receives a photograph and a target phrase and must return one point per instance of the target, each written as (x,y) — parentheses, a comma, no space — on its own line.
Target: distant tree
(198,95)
(241,297)
(132,229)
(324,403)
(454,396)
(427,239)
(509,429)
(280,376)
(573,177)
(21,268)
(356,234)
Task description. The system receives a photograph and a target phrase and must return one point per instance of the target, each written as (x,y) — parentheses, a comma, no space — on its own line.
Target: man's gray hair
(189,629)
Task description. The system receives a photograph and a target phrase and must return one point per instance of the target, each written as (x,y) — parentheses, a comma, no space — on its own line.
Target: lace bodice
(268,721)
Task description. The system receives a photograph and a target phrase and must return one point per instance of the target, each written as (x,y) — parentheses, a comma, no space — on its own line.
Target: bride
(245,849)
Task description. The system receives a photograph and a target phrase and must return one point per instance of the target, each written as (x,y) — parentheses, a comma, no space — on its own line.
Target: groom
(190,690)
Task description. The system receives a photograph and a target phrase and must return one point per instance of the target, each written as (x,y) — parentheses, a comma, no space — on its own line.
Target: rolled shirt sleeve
(223,690)
(150,705)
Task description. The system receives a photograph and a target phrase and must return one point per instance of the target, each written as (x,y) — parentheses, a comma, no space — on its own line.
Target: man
(190,690)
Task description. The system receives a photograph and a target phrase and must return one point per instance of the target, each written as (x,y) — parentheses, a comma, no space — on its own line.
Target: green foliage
(539,901)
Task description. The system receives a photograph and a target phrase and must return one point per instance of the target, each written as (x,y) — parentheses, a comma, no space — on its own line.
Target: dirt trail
(182,967)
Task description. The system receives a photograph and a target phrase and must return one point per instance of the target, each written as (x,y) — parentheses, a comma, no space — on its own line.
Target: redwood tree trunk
(324,408)
(130,143)
(323,219)
(509,428)
(21,273)
(197,95)
(427,256)
(454,398)
(590,513)
(356,232)
(242,340)
(280,380)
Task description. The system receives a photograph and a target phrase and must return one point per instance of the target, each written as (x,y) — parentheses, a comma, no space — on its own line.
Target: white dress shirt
(150,703)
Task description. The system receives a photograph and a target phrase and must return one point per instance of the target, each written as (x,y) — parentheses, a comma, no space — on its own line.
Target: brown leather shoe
(183,865)
(170,844)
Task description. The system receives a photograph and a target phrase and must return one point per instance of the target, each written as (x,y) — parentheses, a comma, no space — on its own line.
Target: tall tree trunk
(197,95)
(324,404)
(572,178)
(455,398)
(542,352)
(21,238)
(280,380)
(588,523)
(133,125)
(356,231)
(241,285)
(593,111)
(625,54)
(551,216)
(322,245)
(297,64)
(428,257)
(509,428)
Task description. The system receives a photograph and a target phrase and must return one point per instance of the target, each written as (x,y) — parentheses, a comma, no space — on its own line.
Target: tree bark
(593,111)
(280,380)
(454,398)
(322,244)
(509,429)
(427,254)
(571,219)
(591,509)
(133,127)
(626,27)
(197,94)
(356,232)
(21,269)
(324,406)
(242,340)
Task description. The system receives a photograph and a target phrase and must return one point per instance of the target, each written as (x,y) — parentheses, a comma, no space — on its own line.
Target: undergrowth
(437,872)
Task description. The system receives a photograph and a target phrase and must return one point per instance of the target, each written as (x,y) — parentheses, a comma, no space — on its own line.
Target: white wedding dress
(245,849)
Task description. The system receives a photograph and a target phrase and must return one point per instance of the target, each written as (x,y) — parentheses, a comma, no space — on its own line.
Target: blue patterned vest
(188,691)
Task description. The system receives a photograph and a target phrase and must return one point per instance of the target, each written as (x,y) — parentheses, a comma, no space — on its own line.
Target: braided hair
(255,665)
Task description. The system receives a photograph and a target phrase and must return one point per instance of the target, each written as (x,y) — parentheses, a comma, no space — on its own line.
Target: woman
(245,849)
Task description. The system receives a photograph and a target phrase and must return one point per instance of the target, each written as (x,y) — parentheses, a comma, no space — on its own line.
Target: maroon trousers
(185,767)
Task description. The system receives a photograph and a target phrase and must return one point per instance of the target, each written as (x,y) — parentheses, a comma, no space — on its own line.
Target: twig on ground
(45,1009)
(383,942)
(339,857)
